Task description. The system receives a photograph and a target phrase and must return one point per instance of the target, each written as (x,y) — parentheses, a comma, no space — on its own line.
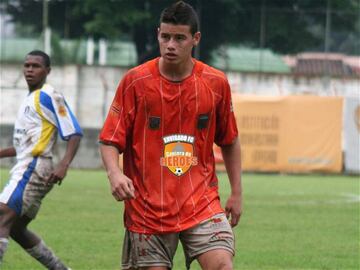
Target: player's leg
(7,218)
(148,252)
(211,243)
(24,194)
(11,200)
(24,237)
(34,245)
(216,259)
(33,194)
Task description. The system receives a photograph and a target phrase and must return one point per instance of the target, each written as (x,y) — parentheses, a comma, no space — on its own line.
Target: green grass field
(289,222)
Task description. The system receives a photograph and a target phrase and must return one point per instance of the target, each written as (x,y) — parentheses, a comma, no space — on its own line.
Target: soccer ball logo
(178,171)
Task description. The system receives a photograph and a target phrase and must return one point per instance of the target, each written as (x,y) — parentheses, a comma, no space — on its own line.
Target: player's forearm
(232,159)
(110,157)
(7,152)
(71,149)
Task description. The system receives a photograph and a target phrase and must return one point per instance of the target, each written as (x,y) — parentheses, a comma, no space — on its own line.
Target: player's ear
(48,70)
(196,38)
(158,33)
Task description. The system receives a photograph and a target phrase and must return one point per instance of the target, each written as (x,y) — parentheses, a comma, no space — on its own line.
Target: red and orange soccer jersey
(166,131)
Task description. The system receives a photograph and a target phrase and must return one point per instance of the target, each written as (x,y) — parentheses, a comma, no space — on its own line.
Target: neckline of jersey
(196,68)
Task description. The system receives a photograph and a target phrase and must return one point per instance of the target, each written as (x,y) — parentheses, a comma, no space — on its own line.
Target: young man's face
(35,71)
(176,42)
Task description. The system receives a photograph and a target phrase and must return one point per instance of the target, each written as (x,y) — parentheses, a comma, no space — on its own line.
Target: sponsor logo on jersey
(178,153)
(20,131)
(62,110)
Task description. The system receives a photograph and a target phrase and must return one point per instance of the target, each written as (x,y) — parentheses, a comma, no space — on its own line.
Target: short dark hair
(44,56)
(181,13)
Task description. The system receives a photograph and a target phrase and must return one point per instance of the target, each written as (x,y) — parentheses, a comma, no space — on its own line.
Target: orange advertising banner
(289,134)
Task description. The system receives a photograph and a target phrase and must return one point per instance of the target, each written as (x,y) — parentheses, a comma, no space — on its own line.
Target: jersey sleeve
(55,109)
(226,129)
(119,120)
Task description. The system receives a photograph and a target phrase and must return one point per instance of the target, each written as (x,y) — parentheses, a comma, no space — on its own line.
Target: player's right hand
(122,187)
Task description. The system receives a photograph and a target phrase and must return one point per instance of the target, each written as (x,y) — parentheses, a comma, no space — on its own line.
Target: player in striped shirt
(165,117)
(42,115)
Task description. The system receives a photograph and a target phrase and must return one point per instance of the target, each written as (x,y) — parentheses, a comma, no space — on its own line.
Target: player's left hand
(57,175)
(233,209)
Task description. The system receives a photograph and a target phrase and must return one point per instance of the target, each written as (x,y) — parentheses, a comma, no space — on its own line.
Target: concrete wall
(6,132)
(287,84)
(89,91)
(88,156)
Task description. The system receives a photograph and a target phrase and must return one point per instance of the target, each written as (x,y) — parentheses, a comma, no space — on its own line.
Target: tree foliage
(285,26)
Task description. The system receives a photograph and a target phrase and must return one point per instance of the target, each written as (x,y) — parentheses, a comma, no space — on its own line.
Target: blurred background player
(165,117)
(41,116)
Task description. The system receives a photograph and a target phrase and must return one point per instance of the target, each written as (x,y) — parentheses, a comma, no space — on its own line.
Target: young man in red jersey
(165,117)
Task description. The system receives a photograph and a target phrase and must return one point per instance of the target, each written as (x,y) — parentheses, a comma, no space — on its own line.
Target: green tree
(285,26)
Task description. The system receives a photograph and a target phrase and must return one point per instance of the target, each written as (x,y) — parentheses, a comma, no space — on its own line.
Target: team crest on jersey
(178,153)
(62,110)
